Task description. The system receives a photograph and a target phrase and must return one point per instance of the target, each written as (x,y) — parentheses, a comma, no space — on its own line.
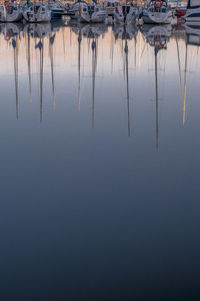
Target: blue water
(99,195)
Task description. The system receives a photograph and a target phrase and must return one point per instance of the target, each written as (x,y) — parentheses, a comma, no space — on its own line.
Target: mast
(15,47)
(127,83)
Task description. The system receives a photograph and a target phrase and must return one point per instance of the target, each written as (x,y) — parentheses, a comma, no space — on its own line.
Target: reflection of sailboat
(94,30)
(184,93)
(156,87)
(127,84)
(89,30)
(125,32)
(29,67)
(38,30)
(192,39)
(15,47)
(79,69)
(51,41)
(157,36)
(40,47)
(94,56)
(11,29)
(179,64)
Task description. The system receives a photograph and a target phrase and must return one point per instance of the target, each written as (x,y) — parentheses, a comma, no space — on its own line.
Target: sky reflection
(99,131)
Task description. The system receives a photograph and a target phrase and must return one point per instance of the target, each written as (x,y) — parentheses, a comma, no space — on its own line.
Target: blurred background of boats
(112,11)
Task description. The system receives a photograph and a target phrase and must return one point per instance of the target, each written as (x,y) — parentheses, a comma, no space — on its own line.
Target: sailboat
(90,13)
(110,6)
(72,12)
(10,12)
(157,12)
(125,13)
(193,11)
(57,8)
(36,12)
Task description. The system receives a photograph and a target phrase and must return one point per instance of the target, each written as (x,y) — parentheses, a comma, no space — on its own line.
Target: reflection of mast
(29,67)
(156,82)
(139,51)
(135,39)
(127,85)
(111,51)
(15,47)
(40,46)
(185,78)
(93,77)
(63,36)
(179,65)
(79,69)
(51,41)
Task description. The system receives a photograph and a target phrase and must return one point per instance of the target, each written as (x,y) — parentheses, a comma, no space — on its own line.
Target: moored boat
(193,11)
(125,13)
(56,8)
(91,13)
(10,12)
(72,12)
(157,12)
(180,11)
(36,12)
(110,6)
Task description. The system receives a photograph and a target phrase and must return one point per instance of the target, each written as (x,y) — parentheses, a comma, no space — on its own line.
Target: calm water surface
(99,157)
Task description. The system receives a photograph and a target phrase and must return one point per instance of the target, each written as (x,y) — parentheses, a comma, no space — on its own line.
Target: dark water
(99,163)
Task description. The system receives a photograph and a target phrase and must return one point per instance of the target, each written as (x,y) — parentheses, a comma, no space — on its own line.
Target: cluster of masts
(156,37)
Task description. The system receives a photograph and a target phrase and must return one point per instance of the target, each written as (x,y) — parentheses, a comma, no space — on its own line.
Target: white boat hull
(13,16)
(39,16)
(192,15)
(97,16)
(123,18)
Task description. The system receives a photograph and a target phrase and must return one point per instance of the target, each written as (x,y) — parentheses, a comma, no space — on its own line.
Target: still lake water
(100,146)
